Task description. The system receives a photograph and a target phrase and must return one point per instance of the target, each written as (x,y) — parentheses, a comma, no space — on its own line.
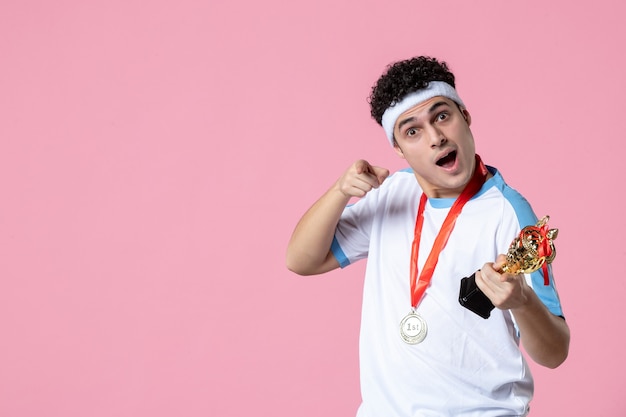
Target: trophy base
(472,298)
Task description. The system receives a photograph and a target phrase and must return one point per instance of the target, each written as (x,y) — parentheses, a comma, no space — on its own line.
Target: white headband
(434,89)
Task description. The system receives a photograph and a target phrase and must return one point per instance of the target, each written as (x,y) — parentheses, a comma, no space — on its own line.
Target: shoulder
(520,205)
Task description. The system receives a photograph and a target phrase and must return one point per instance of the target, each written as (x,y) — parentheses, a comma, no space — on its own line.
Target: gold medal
(413,328)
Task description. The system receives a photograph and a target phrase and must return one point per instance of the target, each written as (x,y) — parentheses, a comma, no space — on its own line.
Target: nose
(437,138)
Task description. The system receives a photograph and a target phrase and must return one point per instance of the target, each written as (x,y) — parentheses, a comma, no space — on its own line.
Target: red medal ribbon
(544,250)
(418,287)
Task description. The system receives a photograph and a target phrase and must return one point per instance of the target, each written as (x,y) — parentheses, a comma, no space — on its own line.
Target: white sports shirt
(466,366)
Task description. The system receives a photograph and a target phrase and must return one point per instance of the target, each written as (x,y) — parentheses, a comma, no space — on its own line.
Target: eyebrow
(432,108)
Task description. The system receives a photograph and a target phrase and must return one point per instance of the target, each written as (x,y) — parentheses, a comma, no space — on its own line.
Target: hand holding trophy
(531,250)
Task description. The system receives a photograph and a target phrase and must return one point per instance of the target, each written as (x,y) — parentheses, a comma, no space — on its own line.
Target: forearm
(308,251)
(545,337)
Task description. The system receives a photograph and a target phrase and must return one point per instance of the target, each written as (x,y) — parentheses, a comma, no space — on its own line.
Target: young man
(423,229)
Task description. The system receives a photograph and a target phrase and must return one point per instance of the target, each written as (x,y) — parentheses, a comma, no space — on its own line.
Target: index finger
(381,174)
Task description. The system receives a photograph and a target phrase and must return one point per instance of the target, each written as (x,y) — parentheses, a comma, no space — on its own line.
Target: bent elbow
(556,361)
(550,360)
(305,264)
(557,356)
(295,268)
(559,359)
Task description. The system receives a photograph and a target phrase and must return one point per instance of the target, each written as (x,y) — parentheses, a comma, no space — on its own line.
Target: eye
(411,132)
(442,116)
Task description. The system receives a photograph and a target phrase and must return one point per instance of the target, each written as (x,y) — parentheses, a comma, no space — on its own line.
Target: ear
(398,150)
(466,115)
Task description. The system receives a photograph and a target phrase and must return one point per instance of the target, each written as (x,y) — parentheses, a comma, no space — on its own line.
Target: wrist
(528,303)
(338,190)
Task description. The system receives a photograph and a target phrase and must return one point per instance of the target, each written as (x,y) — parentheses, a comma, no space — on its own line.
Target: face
(435,139)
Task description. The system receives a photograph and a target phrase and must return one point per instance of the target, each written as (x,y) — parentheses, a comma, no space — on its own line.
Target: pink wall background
(156,155)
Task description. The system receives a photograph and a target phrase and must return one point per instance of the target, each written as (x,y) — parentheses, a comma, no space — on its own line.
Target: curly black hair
(405,77)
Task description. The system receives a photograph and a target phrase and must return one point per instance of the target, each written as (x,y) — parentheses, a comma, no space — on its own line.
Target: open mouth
(448,160)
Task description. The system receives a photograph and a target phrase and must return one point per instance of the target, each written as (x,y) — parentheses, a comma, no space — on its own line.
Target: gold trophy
(531,250)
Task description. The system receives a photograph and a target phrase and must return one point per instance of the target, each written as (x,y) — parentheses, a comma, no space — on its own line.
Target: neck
(441,193)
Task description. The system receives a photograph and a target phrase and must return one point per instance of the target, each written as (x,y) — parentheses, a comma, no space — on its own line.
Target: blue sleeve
(339,254)
(526,217)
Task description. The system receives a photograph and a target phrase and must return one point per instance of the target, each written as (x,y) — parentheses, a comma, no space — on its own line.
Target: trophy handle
(472,298)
